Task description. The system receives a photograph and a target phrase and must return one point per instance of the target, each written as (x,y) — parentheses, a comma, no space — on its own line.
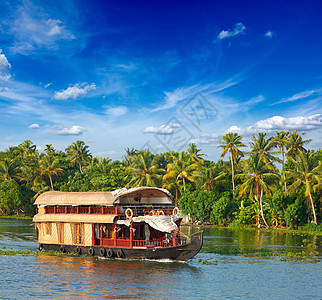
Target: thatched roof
(96,198)
(74,218)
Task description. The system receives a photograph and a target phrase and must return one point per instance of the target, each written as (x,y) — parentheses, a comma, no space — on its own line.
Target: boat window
(108,231)
(48,228)
(124,232)
(79,233)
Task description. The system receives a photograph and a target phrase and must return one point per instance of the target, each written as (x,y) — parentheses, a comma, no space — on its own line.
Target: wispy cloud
(238,29)
(186,93)
(32,28)
(75,91)
(301,95)
(116,111)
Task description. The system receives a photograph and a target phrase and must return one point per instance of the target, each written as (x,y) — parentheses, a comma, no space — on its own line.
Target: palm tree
(25,148)
(210,176)
(144,170)
(295,144)
(195,156)
(230,143)
(258,174)
(9,169)
(182,169)
(129,156)
(308,172)
(280,141)
(78,153)
(263,145)
(50,166)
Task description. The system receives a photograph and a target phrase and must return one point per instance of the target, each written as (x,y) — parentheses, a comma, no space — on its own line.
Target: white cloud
(278,123)
(34,126)
(117,111)
(301,95)
(234,129)
(281,123)
(74,130)
(163,129)
(238,29)
(48,85)
(4,67)
(269,34)
(75,91)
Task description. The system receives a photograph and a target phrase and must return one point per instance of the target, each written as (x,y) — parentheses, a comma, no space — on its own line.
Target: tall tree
(9,169)
(210,176)
(182,168)
(26,148)
(263,146)
(195,154)
(144,170)
(129,156)
(308,173)
(280,141)
(230,143)
(50,166)
(295,144)
(78,153)
(257,177)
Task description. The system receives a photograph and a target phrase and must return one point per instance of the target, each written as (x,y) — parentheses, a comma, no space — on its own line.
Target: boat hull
(178,253)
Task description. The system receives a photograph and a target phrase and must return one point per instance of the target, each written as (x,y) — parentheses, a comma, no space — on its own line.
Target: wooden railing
(175,241)
(81,210)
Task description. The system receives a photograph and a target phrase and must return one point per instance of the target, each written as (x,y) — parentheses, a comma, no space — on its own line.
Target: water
(223,277)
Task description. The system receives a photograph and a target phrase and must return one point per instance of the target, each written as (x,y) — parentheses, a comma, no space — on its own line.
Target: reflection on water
(235,276)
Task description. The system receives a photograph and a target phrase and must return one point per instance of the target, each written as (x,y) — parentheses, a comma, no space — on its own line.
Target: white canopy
(161,223)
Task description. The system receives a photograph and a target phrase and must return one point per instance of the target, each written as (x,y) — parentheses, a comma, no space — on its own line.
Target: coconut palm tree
(195,156)
(50,166)
(25,148)
(230,143)
(308,173)
(257,176)
(144,170)
(182,168)
(9,169)
(129,156)
(263,145)
(295,144)
(210,176)
(280,141)
(78,153)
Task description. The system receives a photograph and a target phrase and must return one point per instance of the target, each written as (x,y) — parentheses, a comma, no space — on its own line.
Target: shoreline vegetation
(277,183)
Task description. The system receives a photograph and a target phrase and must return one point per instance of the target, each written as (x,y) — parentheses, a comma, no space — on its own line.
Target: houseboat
(137,223)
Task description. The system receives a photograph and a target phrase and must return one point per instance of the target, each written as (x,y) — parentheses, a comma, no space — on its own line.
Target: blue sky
(158,74)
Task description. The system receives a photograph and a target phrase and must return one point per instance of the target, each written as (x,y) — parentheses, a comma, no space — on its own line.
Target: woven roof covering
(94,198)
(74,218)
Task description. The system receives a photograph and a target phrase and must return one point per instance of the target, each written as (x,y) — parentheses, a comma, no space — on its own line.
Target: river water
(231,265)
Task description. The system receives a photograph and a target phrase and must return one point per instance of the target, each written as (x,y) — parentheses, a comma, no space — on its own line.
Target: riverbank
(311,230)
(16,217)
(316,231)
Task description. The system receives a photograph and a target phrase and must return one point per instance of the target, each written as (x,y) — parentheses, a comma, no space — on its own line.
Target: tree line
(276,183)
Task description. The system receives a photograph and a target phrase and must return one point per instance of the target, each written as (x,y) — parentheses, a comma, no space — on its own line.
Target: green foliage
(295,214)
(198,204)
(222,210)
(234,192)
(11,197)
